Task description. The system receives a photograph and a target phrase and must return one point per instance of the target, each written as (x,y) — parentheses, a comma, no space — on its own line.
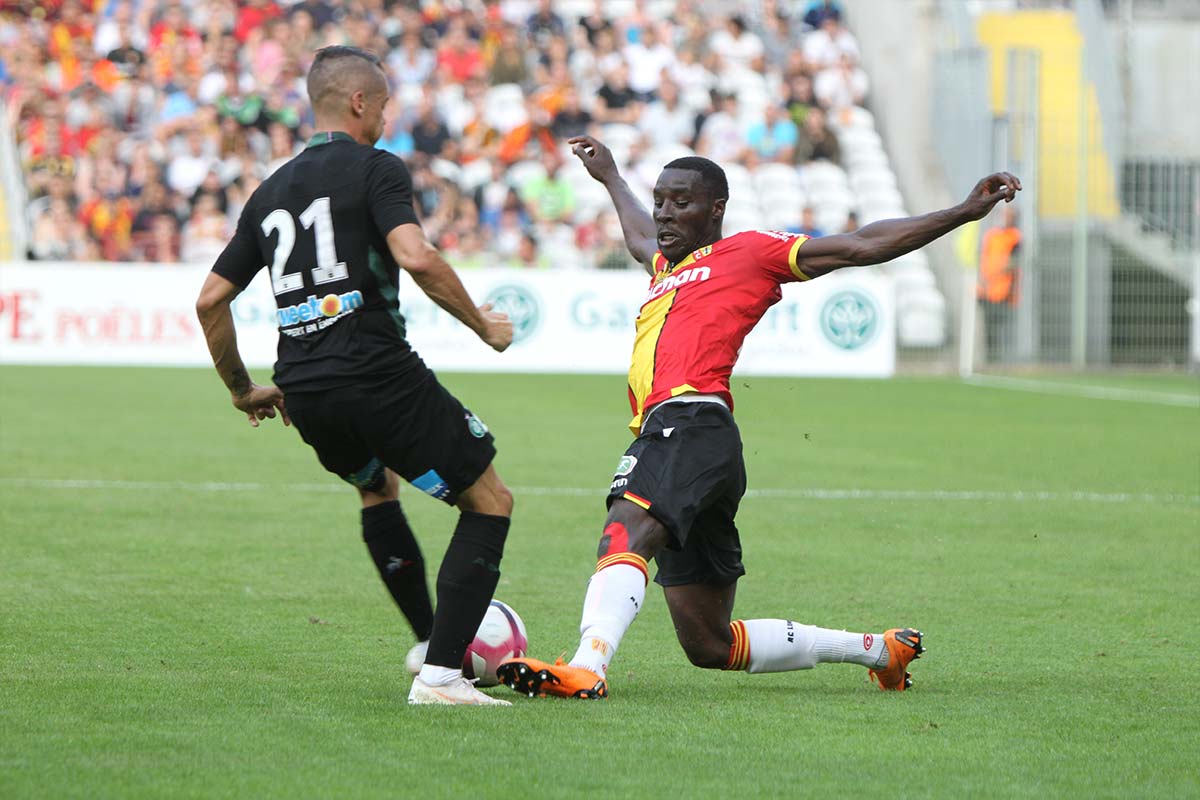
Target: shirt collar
(326,137)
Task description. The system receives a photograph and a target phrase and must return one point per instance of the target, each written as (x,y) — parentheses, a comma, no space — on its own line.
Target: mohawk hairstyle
(339,69)
(712,177)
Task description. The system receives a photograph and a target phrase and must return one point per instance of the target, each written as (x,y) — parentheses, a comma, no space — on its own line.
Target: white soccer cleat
(416,657)
(459,692)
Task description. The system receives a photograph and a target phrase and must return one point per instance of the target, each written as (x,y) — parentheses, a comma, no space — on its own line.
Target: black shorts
(686,469)
(412,426)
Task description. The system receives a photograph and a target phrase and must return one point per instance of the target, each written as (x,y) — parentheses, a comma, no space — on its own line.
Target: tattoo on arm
(239,381)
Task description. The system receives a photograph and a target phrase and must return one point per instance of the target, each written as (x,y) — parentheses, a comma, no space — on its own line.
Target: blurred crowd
(143,125)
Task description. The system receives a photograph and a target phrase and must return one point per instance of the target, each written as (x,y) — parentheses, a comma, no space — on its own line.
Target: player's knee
(504,500)
(707,653)
(490,497)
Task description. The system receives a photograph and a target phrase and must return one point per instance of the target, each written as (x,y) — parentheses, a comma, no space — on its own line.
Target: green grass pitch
(209,624)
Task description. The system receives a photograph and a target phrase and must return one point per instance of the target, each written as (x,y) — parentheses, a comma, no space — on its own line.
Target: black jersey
(321,222)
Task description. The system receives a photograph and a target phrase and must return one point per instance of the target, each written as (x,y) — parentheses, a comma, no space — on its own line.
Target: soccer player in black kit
(334,225)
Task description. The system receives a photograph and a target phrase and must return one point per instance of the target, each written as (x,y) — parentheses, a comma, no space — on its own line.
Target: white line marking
(1017,496)
(1084,390)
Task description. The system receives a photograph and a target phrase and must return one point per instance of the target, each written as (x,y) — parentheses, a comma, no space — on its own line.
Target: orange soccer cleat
(539,679)
(903,646)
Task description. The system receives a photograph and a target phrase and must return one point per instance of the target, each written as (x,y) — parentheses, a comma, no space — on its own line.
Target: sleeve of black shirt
(389,192)
(241,259)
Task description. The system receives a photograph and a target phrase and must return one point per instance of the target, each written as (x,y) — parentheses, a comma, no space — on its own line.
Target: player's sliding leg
(701,614)
(397,556)
(614,597)
(465,584)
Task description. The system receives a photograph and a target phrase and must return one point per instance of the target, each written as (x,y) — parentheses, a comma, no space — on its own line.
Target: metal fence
(1106,262)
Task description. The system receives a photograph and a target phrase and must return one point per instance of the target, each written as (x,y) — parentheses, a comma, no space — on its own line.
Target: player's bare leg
(465,584)
(614,597)
(397,556)
(713,640)
(701,614)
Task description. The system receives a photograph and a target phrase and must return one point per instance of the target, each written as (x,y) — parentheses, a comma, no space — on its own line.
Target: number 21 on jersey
(318,217)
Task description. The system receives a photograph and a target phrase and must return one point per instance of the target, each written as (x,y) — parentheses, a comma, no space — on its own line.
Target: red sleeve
(775,253)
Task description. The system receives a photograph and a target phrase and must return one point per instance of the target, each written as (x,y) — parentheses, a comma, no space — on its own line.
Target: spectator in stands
(595,22)
(126,55)
(411,63)
(694,80)
(816,142)
(430,134)
(800,99)
(529,254)
(544,24)
(841,86)
(162,245)
(58,236)
(825,46)
(550,199)
(572,119)
(616,101)
(820,10)
(737,47)
(609,245)
(774,137)
(187,170)
(509,64)
(852,223)
(206,232)
(459,58)
(112,107)
(807,225)
(721,138)
(647,58)
(667,121)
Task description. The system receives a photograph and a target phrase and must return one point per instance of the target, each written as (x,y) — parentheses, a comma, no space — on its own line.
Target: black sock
(398,558)
(465,584)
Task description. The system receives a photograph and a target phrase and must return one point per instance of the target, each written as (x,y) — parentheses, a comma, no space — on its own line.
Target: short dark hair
(339,69)
(712,177)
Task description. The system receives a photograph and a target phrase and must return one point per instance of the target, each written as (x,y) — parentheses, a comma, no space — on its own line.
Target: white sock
(431,675)
(614,597)
(780,645)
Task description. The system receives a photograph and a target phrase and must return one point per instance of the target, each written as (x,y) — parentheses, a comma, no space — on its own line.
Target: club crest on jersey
(666,283)
(702,252)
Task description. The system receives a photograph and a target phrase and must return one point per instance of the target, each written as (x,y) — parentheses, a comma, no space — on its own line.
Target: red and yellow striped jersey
(699,311)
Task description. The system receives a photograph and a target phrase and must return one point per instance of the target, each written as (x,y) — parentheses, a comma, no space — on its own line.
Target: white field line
(1018,496)
(1084,390)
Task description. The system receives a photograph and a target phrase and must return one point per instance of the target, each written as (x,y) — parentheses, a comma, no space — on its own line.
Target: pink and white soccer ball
(501,636)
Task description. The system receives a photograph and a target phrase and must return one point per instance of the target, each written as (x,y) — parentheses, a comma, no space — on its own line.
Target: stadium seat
(872,178)
(504,107)
(859,138)
(475,174)
(831,218)
(888,197)
(820,174)
(521,173)
(874,213)
(865,158)
(770,178)
(447,170)
(851,117)
(665,153)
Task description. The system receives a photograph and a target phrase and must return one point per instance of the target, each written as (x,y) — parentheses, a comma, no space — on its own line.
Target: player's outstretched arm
(216,318)
(890,238)
(437,279)
(636,223)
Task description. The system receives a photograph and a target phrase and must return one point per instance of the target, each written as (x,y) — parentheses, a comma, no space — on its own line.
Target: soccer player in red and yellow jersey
(677,488)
